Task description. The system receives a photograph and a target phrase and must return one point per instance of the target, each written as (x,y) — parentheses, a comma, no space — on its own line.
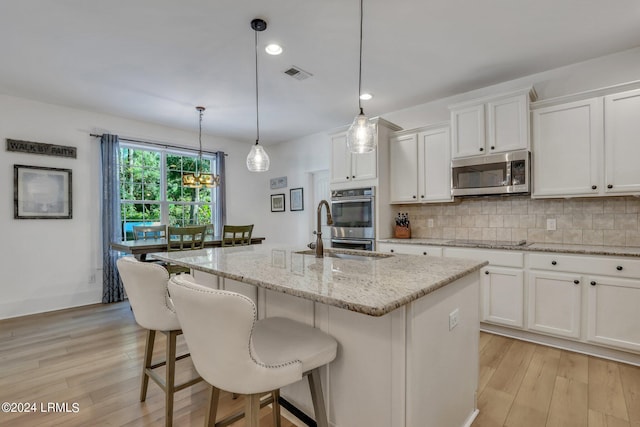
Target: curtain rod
(159,144)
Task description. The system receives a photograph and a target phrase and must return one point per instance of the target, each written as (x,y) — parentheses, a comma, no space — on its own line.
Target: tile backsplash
(612,221)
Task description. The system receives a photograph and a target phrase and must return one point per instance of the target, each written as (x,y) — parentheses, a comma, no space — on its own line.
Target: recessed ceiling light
(273,49)
(366,96)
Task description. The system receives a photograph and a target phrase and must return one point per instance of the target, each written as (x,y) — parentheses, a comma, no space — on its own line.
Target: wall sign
(41,148)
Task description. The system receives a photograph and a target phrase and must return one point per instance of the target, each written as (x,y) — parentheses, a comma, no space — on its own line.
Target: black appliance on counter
(353,213)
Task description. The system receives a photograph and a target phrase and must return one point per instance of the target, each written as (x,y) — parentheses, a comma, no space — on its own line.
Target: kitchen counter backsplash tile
(610,221)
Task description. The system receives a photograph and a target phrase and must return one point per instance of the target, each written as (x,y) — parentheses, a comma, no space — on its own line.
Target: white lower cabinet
(555,303)
(401,248)
(613,310)
(502,296)
(501,284)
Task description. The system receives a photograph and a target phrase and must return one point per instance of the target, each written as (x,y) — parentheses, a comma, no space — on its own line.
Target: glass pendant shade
(361,135)
(258,159)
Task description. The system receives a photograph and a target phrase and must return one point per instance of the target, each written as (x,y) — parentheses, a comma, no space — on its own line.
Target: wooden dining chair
(236,235)
(184,239)
(144,232)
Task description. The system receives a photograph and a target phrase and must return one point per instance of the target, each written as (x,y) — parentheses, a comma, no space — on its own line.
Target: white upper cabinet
(587,147)
(345,166)
(362,169)
(420,165)
(491,125)
(566,141)
(622,142)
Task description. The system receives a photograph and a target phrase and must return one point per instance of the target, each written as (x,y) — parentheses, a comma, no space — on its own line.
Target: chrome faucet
(319,248)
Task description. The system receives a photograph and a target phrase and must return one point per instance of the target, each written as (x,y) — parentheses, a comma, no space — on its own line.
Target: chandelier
(200,180)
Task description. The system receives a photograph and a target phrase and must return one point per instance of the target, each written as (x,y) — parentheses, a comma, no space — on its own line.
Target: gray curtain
(220,214)
(112,289)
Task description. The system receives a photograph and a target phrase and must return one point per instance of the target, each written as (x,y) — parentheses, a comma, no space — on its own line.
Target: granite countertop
(374,285)
(628,251)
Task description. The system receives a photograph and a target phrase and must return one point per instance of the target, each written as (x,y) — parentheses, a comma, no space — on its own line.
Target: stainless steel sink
(347,255)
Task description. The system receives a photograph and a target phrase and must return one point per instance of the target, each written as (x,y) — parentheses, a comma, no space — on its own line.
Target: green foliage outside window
(140,184)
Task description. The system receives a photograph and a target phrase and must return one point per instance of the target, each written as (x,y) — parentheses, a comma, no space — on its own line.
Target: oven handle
(354,199)
(365,242)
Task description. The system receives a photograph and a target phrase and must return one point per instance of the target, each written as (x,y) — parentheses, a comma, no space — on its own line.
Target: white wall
(47,263)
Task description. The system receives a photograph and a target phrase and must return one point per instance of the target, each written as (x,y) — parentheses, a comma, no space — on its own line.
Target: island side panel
(443,364)
(360,383)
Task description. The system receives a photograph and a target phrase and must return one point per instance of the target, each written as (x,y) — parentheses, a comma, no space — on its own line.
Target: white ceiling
(155,60)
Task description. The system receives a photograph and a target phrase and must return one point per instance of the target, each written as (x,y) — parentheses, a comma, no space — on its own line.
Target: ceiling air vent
(297,73)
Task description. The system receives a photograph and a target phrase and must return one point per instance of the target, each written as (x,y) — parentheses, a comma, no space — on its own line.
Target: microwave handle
(349,199)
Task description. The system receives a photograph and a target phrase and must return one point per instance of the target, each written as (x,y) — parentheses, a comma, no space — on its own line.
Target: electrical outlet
(551,224)
(430,223)
(453,318)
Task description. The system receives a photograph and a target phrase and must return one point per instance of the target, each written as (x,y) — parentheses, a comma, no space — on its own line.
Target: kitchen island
(407,326)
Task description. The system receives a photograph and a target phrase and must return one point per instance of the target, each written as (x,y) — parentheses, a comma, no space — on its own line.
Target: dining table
(140,248)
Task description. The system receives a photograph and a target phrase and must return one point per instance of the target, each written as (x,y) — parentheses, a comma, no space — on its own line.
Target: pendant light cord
(257,112)
(360,65)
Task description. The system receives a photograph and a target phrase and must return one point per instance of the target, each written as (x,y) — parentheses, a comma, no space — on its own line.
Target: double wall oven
(353,213)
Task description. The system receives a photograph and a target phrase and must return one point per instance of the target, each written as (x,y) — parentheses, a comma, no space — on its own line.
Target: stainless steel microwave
(503,173)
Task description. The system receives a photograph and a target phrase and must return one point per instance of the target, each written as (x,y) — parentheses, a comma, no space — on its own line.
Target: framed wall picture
(277,202)
(296,199)
(41,193)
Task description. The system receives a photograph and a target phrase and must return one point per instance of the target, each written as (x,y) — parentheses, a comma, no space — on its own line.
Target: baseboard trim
(575,346)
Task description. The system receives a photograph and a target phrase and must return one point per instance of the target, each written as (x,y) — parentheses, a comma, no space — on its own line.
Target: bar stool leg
(170,376)
(146,364)
(275,408)
(212,411)
(315,385)
(252,410)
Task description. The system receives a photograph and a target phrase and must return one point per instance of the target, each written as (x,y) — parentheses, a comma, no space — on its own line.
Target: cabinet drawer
(402,248)
(503,258)
(608,266)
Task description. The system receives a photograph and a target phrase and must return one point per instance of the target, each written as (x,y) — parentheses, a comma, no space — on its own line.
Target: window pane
(132,214)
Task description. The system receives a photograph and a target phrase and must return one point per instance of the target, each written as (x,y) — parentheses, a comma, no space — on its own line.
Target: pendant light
(258,159)
(361,133)
(199,180)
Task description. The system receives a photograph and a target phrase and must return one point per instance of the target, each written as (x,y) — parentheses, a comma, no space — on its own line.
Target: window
(151,190)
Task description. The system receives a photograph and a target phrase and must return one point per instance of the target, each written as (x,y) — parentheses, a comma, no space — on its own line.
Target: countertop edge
(631,252)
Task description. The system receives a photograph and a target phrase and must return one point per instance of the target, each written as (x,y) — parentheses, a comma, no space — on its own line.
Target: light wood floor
(528,385)
(92,355)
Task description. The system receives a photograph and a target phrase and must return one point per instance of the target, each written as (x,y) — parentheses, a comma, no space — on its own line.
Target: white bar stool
(233,351)
(146,287)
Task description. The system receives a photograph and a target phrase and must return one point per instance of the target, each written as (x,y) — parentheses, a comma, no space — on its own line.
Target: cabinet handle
(353,176)
(594,187)
(486,272)
(481,149)
(553,263)
(392,250)
(619,268)
(347,177)
(424,253)
(414,196)
(577,282)
(493,148)
(422,196)
(610,186)
(593,283)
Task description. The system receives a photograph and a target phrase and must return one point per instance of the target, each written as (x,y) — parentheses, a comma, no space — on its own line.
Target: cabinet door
(622,142)
(502,296)
(614,312)
(403,168)
(508,124)
(567,149)
(434,165)
(554,303)
(340,159)
(364,166)
(468,136)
